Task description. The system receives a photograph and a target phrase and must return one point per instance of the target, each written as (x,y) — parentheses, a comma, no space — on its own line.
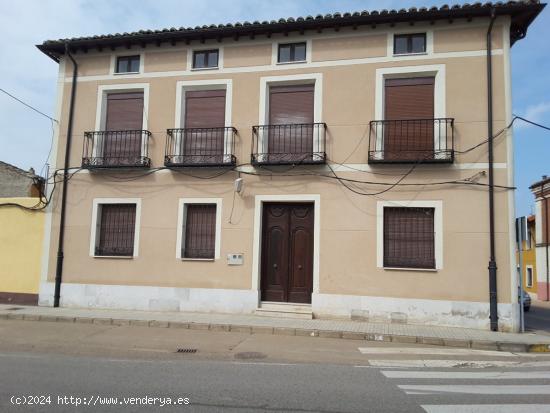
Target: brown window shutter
(124,115)
(204,109)
(200,231)
(291,105)
(409,237)
(545,205)
(406,99)
(116,230)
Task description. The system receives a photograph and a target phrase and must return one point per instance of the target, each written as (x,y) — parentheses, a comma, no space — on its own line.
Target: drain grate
(247,355)
(187,350)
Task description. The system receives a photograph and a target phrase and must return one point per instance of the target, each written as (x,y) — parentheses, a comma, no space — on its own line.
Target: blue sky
(25,136)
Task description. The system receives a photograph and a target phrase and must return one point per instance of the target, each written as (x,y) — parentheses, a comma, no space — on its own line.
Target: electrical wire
(29,106)
(344,181)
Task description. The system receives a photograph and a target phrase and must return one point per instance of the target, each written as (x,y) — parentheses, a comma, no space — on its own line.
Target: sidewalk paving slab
(253,324)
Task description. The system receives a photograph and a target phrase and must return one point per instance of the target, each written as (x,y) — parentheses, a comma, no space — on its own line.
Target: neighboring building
(15,182)
(300,110)
(21,235)
(529,267)
(541,190)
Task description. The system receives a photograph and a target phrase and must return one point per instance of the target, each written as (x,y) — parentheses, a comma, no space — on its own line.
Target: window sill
(119,257)
(198,259)
(196,69)
(126,73)
(292,63)
(410,54)
(411,269)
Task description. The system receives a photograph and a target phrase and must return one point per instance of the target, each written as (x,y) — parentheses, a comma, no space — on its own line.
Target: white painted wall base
(373,309)
(413,311)
(150,298)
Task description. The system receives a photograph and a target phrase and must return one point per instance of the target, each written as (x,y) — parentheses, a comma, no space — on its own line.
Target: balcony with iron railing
(289,144)
(116,149)
(411,141)
(200,147)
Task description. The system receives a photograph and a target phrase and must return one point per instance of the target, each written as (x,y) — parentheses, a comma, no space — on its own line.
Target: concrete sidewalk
(346,329)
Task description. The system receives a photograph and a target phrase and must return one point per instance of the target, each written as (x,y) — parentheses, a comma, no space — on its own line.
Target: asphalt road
(537,319)
(253,373)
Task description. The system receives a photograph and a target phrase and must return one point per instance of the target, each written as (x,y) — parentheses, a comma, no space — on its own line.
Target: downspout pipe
(493,300)
(60,256)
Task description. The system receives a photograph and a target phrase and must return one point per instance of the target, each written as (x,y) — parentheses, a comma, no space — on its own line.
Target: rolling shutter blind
(204,109)
(409,238)
(291,106)
(116,230)
(200,231)
(406,99)
(124,115)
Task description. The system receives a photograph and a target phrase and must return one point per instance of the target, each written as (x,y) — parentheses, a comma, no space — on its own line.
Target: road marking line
(486,408)
(481,375)
(470,364)
(433,351)
(477,389)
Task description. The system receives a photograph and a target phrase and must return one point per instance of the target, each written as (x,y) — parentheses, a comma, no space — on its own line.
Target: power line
(29,106)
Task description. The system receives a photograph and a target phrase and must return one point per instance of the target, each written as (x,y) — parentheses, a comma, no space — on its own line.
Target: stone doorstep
(347,335)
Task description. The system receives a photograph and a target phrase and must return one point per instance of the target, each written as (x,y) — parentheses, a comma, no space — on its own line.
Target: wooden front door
(287,252)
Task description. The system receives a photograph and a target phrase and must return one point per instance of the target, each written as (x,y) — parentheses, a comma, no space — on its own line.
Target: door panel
(407,99)
(287,253)
(291,108)
(204,109)
(123,122)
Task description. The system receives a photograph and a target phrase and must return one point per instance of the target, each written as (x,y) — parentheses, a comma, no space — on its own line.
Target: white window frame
(438,231)
(94,234)
(438,71)
(527,283)
(114,59)
(307,78)
(275,51)
(429,42)
(180,238)
(101,110)
(191,51)
(184,86)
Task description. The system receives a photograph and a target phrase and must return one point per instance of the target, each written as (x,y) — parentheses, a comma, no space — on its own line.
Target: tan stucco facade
(347,277)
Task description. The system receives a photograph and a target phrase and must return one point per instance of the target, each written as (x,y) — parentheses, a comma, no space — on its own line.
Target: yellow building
(21,236)
(529,267)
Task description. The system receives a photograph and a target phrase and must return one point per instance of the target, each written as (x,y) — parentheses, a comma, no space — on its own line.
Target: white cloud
(536,113)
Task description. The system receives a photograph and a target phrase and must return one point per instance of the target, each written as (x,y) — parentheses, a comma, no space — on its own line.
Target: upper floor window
(292,52)
(409,43)
(127,64)
(203,59)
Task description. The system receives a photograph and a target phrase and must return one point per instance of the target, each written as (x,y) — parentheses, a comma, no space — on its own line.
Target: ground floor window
(199,228)
(409,237)
(529,277)
(115,229)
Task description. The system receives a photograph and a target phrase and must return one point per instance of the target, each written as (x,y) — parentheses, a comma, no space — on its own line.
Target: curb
(247,329)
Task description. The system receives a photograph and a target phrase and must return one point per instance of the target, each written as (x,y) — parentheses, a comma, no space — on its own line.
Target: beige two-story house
(328,166)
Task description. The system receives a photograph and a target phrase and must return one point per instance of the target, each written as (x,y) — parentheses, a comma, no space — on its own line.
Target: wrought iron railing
(302,143)
(116,149)
(411,141)
(200,147)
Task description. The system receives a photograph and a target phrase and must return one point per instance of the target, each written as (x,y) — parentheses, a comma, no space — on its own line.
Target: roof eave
(522,16)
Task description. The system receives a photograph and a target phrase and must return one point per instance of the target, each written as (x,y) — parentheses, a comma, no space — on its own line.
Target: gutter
(545,198)
(60,256)
(493,299)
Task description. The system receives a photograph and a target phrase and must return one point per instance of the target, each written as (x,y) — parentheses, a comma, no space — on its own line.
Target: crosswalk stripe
(452,363)
(486,408)
(477,389)
(476,375)
(433,351)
